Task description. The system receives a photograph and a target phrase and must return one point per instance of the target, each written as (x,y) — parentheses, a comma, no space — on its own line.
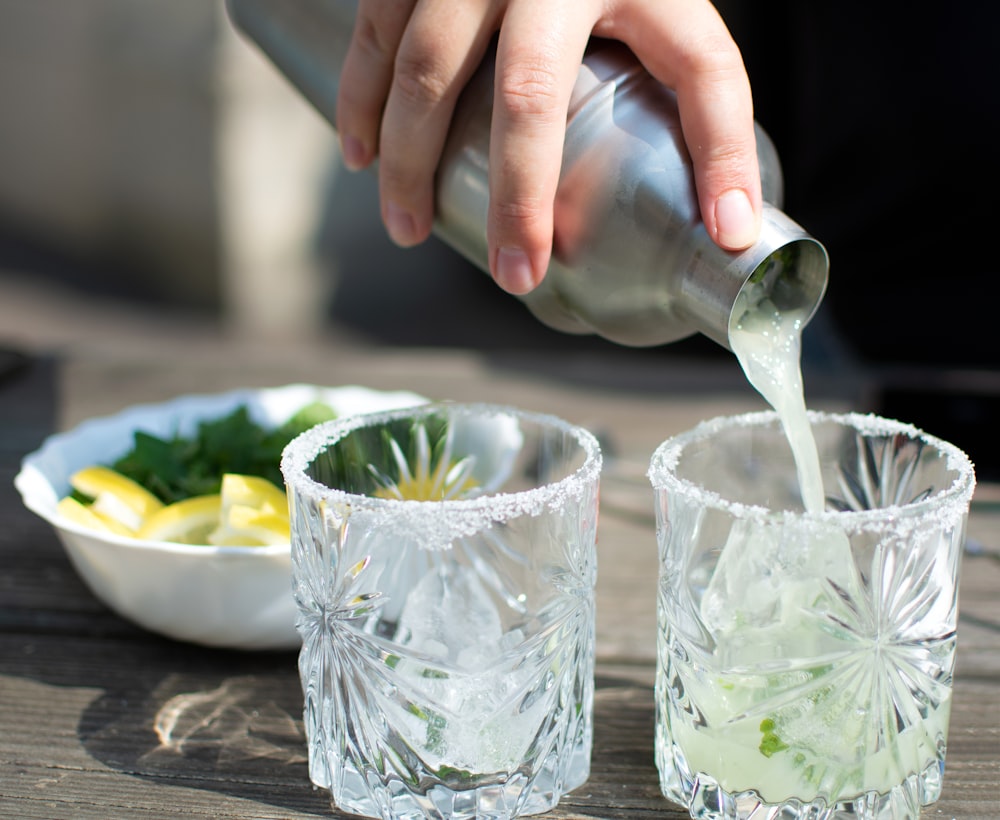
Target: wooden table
(101,719)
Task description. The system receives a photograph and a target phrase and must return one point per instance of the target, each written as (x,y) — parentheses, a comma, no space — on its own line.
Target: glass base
(705,799)
(515,797)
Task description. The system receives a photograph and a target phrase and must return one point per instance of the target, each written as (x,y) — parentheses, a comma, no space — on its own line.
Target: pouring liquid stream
(767,342)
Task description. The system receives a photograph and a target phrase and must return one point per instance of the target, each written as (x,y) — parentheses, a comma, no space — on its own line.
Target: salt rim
(446,520)
(947,505)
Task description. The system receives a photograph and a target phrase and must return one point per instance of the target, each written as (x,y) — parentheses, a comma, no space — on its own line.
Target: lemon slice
(245,526)
(97,482)
(111,507)
(252,491)
(254,513)
(72,510)
(185,522)
(248,511)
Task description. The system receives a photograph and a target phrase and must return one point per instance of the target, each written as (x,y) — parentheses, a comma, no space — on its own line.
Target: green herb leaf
(178,468)
(770,743)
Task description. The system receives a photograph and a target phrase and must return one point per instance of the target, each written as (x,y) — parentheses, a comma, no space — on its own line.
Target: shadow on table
(237,732)
(242,734)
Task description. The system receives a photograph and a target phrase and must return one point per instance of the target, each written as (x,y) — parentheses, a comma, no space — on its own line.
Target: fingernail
(402,229)
(353,153)
(514,272)
(737,227)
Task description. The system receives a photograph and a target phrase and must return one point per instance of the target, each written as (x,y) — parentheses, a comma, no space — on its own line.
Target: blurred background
(158,177)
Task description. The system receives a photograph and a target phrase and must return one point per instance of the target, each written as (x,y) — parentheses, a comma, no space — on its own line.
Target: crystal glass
(805,662)
(444,567)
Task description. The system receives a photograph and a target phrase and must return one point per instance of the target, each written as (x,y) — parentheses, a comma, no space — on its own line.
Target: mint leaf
(770,743)
(182,467)
(157,464)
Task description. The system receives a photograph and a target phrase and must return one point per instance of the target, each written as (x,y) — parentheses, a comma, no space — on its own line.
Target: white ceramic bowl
(235,597)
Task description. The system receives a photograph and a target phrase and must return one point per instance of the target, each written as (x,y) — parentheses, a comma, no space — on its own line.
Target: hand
(409,60)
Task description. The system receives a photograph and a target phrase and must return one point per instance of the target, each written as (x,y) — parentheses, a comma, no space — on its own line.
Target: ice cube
(478,720)
(449,615)
(771,579)
(469,713)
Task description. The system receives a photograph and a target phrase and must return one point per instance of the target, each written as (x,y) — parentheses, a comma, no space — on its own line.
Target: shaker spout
(786,265)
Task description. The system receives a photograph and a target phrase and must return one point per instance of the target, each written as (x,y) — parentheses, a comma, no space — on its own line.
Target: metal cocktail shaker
(632,261)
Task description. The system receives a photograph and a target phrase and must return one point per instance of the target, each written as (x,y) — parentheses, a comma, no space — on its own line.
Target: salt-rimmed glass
(444,567)
(805,661)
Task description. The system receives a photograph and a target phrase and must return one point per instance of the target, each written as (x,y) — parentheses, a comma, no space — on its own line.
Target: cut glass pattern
(448,679)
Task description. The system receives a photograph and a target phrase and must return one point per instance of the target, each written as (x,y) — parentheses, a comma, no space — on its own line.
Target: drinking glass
(444,567)
(804,661)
